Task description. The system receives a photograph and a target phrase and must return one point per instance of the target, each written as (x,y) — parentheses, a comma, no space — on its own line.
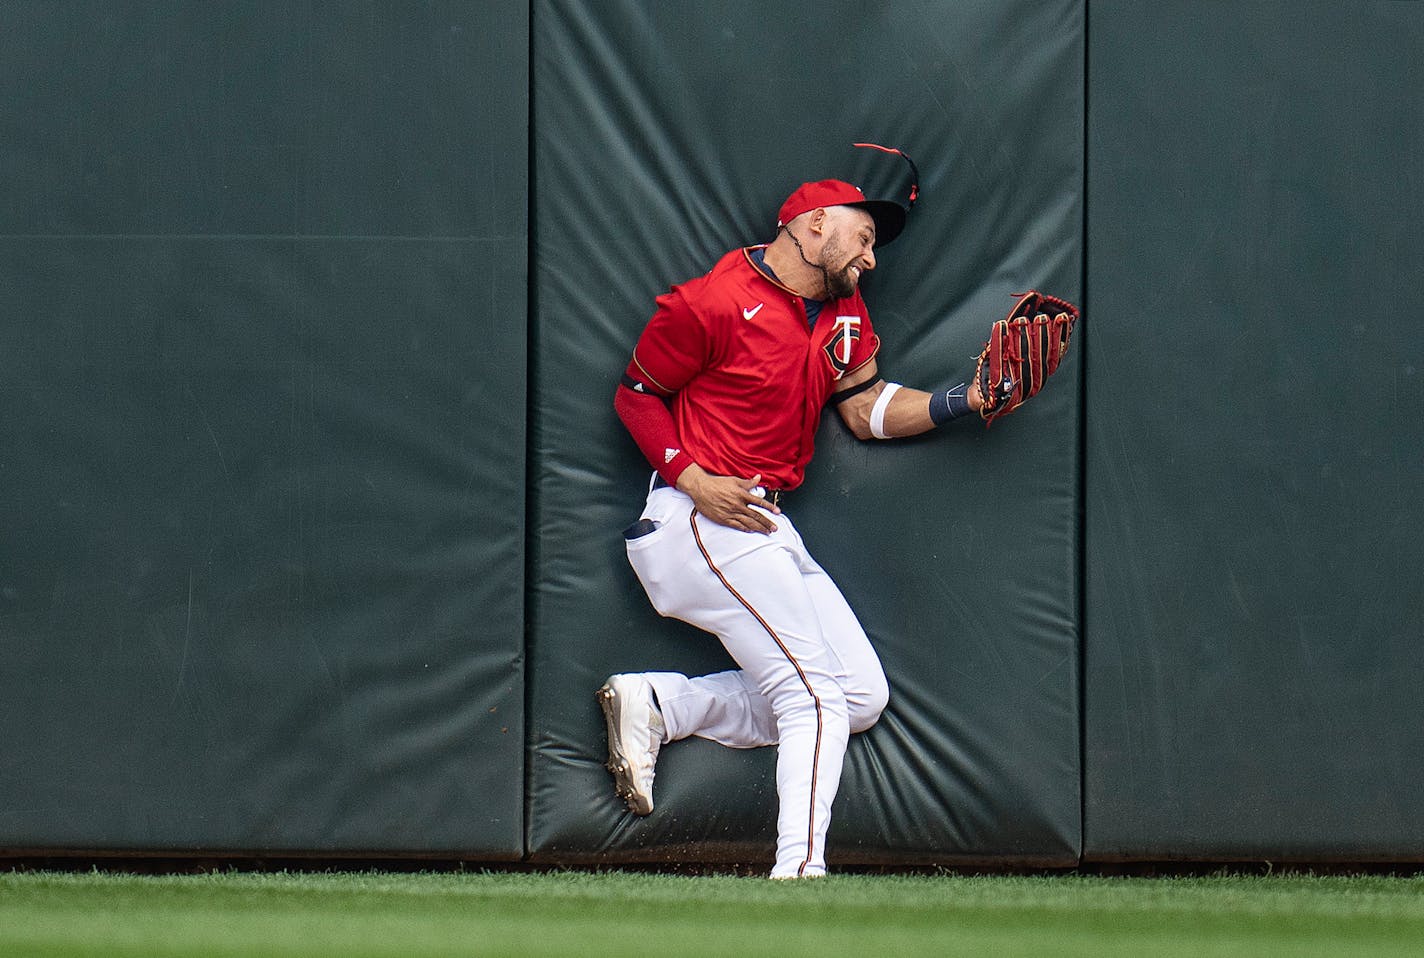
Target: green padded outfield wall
(264,465)
(665,134)
(1255,454)
(262,360)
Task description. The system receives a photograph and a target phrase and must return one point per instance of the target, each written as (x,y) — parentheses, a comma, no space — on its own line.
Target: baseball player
(723,396)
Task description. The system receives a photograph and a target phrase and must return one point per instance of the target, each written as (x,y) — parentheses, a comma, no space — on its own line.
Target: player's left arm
(875,409)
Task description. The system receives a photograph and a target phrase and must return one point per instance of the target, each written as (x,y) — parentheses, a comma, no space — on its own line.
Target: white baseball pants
(808,676)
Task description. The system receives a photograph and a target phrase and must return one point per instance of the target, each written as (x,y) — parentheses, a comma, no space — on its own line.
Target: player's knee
(808,694)
(868,702)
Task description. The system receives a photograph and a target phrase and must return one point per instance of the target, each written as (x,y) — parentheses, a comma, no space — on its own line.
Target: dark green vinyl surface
(665,135)
(1255,458)
(311,316)
(262,274)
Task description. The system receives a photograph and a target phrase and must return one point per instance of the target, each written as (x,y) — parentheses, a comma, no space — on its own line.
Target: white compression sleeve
(877,412)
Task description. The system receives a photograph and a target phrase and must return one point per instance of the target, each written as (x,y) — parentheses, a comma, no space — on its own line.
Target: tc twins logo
(843,340)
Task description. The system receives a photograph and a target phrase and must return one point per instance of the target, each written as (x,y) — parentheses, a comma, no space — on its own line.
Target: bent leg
(724,707)
(858,668)
(767,620)
(760,594)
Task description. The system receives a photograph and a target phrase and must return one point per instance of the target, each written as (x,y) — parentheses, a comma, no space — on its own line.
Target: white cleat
(635,733)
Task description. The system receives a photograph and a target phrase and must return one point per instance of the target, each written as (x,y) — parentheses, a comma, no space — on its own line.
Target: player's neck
(786,263)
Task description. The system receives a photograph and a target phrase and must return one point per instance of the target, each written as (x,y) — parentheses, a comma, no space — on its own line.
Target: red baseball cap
(888,215)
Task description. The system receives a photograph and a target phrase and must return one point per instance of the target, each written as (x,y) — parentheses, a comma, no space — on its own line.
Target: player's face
(849,250)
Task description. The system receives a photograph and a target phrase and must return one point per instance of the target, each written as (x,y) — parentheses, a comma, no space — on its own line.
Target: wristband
(949,405)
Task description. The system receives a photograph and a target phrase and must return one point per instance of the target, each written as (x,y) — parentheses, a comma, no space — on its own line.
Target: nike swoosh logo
(750,313)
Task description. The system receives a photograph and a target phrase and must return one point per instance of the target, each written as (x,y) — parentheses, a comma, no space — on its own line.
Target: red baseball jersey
(748,376)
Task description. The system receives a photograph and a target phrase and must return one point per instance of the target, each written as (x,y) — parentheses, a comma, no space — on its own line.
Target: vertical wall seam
(531,493)
(1082,545)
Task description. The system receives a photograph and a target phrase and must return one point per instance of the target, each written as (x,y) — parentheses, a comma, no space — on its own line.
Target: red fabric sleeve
(674,346)
(650,423)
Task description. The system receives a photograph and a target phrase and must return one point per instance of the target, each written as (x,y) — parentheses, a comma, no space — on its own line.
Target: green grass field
(634,914)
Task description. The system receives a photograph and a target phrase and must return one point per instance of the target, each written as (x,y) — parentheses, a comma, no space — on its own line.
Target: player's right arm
(670,352)
(727,500)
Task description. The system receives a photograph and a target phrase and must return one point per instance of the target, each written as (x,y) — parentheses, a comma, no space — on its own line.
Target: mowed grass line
(634,914)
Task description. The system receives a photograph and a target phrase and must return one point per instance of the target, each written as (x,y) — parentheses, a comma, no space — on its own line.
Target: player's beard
(840,283)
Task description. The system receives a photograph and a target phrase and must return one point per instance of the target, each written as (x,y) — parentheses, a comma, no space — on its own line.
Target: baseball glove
(1023,350)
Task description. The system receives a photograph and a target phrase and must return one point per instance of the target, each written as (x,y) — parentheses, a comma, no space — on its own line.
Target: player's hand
(974,396)
(727,500)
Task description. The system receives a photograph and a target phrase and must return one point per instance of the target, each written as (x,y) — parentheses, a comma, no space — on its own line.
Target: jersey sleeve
(674,347)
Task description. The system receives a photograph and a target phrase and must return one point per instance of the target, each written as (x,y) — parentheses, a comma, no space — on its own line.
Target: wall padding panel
(262,268)
(1255,456)
(667,134)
